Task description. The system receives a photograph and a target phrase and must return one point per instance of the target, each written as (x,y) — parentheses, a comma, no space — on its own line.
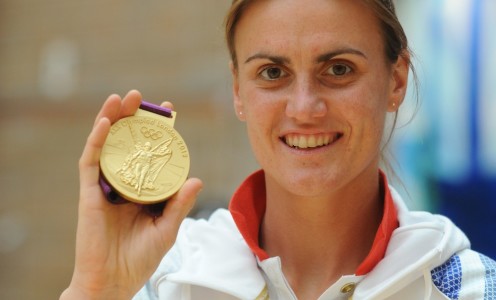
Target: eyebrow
(273,58)
(322,58)
(329,55)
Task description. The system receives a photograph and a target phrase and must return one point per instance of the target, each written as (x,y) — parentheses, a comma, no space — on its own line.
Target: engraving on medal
(150,133)
(142,166)
(144,159)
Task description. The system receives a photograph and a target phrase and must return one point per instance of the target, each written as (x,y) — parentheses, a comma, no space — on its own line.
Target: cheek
(365,113)
(259,101)
(256,111)
(263,112)
(259,139)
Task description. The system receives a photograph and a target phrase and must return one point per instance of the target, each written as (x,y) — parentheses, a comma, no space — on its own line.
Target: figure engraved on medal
(142,166)
(144,159)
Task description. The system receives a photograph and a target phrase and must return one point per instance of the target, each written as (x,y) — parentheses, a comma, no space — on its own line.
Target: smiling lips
(304,141)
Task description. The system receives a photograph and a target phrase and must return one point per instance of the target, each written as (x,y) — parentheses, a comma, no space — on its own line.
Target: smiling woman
(319,220)
(297,81)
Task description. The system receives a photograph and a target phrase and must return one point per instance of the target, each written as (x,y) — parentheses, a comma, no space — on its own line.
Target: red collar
(248,208)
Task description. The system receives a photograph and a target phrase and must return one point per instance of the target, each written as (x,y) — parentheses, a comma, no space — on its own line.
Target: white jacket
(428,257)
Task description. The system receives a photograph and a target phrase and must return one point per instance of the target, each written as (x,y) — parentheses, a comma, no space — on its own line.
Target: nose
(305,101)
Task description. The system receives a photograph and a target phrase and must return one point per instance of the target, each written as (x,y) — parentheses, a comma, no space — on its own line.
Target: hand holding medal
(119,246)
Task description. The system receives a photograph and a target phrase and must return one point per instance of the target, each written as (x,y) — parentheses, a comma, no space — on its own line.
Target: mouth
(310,141)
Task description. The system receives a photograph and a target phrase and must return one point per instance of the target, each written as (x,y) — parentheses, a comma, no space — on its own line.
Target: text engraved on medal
(144,159)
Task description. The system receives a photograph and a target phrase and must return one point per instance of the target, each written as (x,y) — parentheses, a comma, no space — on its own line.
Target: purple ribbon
(157,109)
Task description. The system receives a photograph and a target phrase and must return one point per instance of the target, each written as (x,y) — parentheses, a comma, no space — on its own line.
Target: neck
(312,235)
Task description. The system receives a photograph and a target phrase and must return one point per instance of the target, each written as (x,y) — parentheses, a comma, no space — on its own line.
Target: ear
(238,104)
(399,81)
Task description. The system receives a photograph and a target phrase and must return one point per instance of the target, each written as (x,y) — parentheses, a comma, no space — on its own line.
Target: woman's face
(314,87)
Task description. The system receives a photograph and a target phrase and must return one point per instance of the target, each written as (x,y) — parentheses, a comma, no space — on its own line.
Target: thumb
(178,207)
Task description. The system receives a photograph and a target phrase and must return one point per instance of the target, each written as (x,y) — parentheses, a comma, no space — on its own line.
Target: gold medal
(144,159)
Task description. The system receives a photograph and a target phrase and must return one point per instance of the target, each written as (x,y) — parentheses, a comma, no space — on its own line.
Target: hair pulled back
(395,40)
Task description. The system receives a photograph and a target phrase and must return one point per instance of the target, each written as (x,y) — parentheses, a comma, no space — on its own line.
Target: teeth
(302,142)
(309,141)
(327,139)
(312,142)
(320,141)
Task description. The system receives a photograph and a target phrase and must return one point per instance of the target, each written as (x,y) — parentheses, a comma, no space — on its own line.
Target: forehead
(309,24)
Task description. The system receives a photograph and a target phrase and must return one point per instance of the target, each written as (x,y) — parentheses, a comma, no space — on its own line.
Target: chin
(311,183)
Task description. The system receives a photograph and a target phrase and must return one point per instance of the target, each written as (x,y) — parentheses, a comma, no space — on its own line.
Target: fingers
(130,103)
(110,109)
(89,161)
(178,207)
(94,143)
(167,104)
(115,108)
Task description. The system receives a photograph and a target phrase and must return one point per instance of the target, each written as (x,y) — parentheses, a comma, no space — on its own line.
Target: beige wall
(58,61)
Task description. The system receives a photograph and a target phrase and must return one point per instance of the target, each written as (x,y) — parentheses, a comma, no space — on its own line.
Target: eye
(339,70)
(272,73)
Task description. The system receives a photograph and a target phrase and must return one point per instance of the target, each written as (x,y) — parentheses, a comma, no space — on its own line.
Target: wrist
(77,293)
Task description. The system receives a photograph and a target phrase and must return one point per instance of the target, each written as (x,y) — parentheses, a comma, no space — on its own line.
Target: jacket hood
(422,242)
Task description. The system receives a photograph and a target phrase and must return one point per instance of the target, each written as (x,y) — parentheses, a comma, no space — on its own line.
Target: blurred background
(59,60)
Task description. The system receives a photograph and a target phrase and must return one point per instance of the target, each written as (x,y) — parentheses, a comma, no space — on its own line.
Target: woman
(314,81)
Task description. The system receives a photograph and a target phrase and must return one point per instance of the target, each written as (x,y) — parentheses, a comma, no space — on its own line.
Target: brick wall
(58,61)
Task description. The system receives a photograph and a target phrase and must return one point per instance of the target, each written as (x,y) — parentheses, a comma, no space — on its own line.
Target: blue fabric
(490,280)
(448,277)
